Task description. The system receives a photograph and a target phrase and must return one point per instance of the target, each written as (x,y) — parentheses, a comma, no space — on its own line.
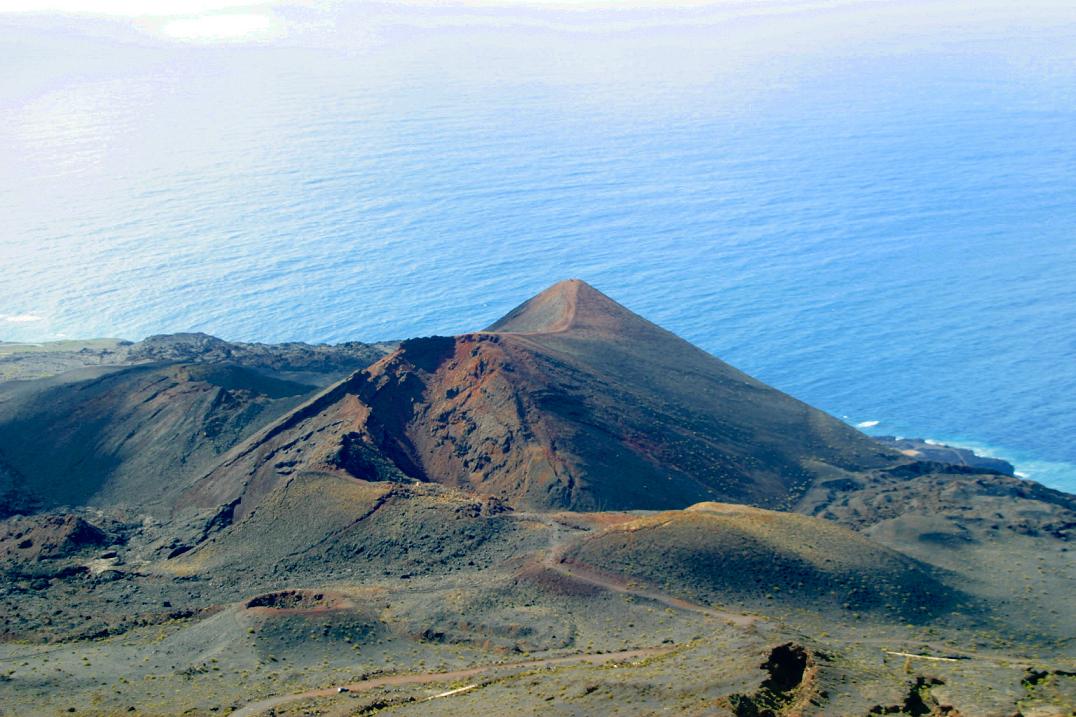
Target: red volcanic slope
(569,401)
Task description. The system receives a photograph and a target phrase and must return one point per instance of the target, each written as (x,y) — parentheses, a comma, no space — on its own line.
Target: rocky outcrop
(791,669)
(47,537)
(969,504)
(933,452)
(33,361)
(203,348)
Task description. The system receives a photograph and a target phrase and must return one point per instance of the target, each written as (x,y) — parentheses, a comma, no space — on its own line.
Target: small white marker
(453,692)
(922,657)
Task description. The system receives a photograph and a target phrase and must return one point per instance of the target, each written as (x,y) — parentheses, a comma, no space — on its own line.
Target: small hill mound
(751,558)
(47,537)
(319,527)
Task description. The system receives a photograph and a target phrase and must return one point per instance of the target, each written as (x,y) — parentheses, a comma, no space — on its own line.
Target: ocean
(869,205)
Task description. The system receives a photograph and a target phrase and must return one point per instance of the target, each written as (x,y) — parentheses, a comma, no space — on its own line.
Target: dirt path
(555,560)
(587,574)
(257,708)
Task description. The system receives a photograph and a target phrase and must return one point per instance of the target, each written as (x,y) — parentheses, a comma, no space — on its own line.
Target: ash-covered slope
(132,423)
(673,420)
(570,400)
(130,436)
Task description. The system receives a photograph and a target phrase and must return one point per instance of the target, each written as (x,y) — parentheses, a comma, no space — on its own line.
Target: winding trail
(554,560)
(420,678)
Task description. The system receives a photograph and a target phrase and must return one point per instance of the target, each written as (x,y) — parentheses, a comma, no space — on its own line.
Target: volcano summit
(570,401)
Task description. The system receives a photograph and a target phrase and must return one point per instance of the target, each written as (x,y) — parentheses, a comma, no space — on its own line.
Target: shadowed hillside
(132,423)
(134,435)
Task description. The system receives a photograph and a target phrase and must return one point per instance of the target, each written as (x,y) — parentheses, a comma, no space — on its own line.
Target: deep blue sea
(870,205)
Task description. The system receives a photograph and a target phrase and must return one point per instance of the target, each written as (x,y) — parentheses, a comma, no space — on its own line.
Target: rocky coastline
(928,450)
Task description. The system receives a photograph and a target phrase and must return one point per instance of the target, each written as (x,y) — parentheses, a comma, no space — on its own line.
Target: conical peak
(568,285)
(563,306)
(550,311)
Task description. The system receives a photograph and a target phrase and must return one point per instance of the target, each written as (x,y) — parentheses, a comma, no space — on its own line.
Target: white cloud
(222,28)
(127,8)
(21,318)
(204,21)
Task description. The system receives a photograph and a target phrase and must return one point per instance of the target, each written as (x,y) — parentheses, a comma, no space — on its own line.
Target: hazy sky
(259,21)
(200,20)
